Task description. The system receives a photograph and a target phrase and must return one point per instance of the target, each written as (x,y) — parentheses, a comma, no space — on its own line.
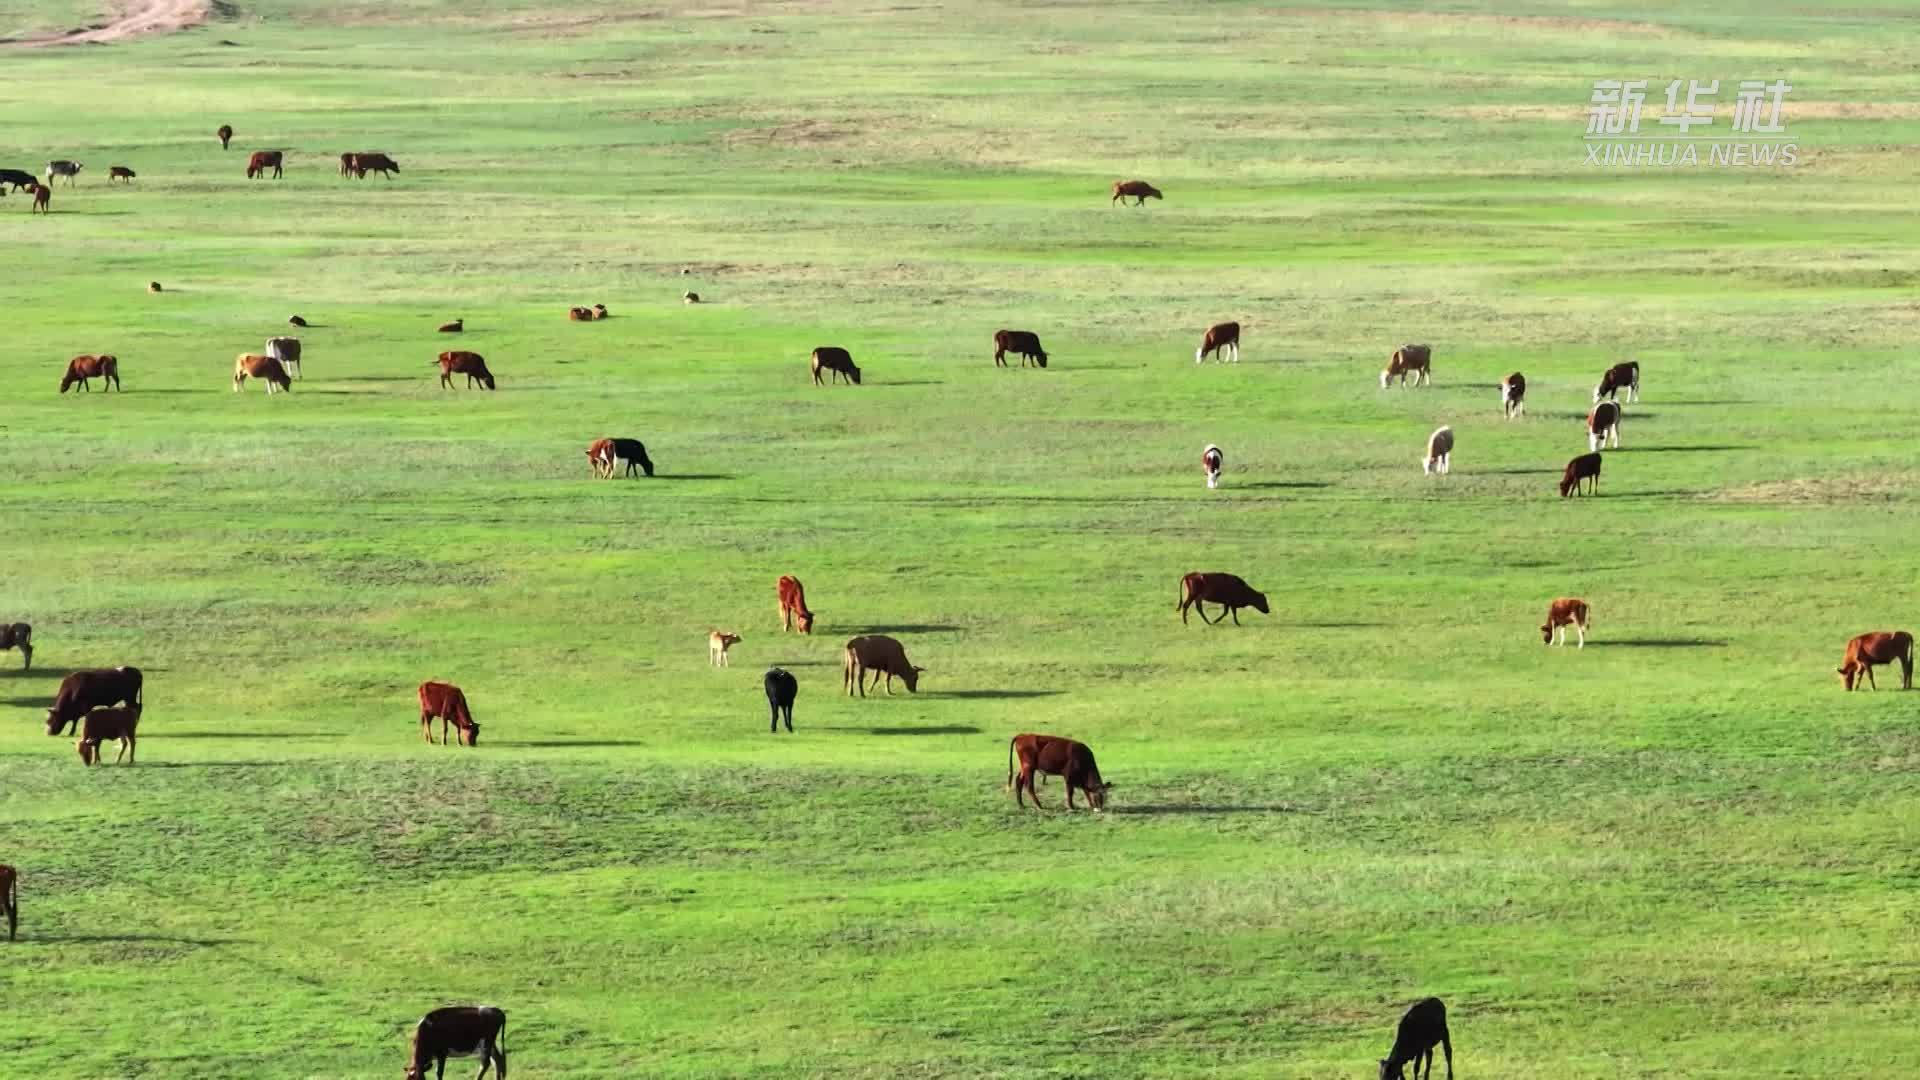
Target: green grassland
(1681,851)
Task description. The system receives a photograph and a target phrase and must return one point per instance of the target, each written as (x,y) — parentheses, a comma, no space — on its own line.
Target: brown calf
(718,642)
(42,195)
(1883,647)
(1219,339)
(99,725)
(447,702)
(82,368)
(1137,190)
(265,368)
(1583,468)
(119,172)
(1054,756)
(877,654)
(1226,590)
(1562,613)
(260,161)
(470,364)
(226,135)
(793,604)
(459,1031)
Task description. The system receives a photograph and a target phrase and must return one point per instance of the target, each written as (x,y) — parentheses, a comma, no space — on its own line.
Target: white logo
(1759,136)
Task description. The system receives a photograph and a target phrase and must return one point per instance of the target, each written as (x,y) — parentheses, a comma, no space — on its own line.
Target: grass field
(1679,852)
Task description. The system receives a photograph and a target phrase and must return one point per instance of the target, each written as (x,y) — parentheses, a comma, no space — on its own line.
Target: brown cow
(226,135)
(1513,395)
(153,286)
(1219,339)
(82,368)
(718,642)
(347,163)
(1054,756)
(836,360)
(459,1031)
(1617,378)
(42,195)
(453,327)
(1603,423)
(99,725)
(470,364)
(1562,613)
(606,454)
(1415,360)
(878,654)
(84,690)
(446,701)
(1137,190)
(265,368)
(1883,647)
(1439,457)
(260,161)
(1211,459)
(1226,590)
(1024,342)
(119,172)
(599,311)
(364,163)
(580,314)
(1585,467)
(18,636)
(10,898)
(793,603)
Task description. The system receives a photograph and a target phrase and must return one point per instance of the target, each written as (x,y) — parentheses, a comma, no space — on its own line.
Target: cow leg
(1235,612)
(1201,607)
(1582,631)
(1871,685)
(788,709)
(889,681)
(426,727)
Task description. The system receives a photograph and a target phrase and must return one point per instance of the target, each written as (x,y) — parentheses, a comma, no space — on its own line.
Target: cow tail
(1010,743)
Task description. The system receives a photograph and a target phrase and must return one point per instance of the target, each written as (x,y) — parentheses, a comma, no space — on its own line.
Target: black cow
(18,636)
(782,688)
(21,181)
(1024,342)
(82,691)
(1424,1025)
(459,1031)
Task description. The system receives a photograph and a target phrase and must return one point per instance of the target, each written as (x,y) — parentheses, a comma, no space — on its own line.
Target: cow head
(1546,633)
(806,622)
(1568,483)
(470,735)
(1390,1071)
(854,374)
(54,723)
(1040,358)
(1260,603)
(1097,795)
(1385,374)
(911,677)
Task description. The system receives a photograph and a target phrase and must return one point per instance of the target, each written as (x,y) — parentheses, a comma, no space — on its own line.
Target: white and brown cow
(1414,360)
(1603,426)
(1439,457)
(1221,339)
(1617,378)
(1513,395)
(1562,613)
(1210,462)
(287,351)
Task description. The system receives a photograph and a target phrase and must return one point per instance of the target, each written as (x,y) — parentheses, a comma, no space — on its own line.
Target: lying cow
(83,691)
(1617,378)
(1603,423)
(459,1031)
(18,636)
(878,655)
(607,454)
(287,351)
(80,369)
(1197,590)
(1220,339)
(1562,613)
(264,368)
(1580,470)
(1137,190)
(793,604)
(837,361)
(782,688)
(470,364)
(1026,343)
(448,703)
(100,725)
(1414,360)
(1884,647)
(1054,756)
(1513,395)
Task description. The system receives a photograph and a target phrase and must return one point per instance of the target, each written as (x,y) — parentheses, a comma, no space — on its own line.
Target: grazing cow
(1024,342)
(580,314)
(1580,469)
(605,454)
(1415,360)
(1228,590)
(226,135)
(119,172)
(21,181)
(295,320)
(1562,613)
(447,702)
(878,654)
(837,361)
(459,1031)
(453,327)
(68,169)
(470,364)
(264,368)
(42,195)
(10,898)
(1211,460)
(81,691)
(100,725)
(1867,650)
(1424,1025)
(1439,457)
(287,351)
(690,297)
(793,604)
(782,688)
(1603,423)
(18,636)
(81,369)
(260,161)
(364,163)
(1617,378)
(153,286)
(1137,190)
(1513,395)
(599,311)
(347,163)
(1219,339)
(718,642)
(1054,756)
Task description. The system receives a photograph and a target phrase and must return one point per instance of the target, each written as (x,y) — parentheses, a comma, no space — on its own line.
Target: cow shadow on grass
(1187,808)
(1284,484)
(695,476)
(1520,472)
(1659,643)
(944,729)
(554,744)
(803,663)
(914,382)
(297,735)
(1334,625)
(970,695)
(39,673)
(1637,450)
(906,628)
(129,939)
(210,765)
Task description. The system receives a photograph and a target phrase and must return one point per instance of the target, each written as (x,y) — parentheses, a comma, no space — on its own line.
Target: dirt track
(125,19)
